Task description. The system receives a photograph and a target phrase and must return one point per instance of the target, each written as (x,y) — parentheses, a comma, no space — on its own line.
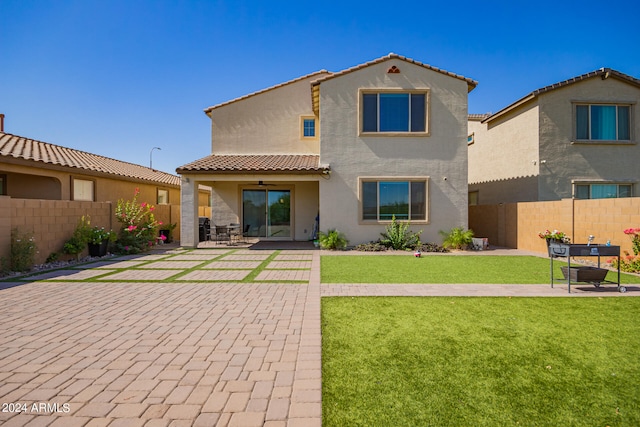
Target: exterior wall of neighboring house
(440,157)
(503,159)
(265,123)
(567,159)
(530,152)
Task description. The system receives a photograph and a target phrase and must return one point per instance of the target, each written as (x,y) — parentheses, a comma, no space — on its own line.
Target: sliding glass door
(267,213)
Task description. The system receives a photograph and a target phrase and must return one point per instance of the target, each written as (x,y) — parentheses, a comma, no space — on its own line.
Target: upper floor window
(603,122)
(394,112)
(383,199)
(83,189)
(602,191)
(308,127)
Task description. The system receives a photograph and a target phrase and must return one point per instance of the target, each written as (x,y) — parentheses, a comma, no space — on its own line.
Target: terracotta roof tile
(49,154)
(603,73)
(263,163)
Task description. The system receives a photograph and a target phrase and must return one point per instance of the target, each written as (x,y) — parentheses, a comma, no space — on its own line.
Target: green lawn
(443,269)
(480,361)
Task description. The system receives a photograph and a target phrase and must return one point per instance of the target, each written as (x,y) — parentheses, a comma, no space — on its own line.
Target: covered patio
(271,197)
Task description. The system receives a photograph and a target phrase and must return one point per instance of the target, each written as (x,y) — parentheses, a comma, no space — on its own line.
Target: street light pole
(151,156)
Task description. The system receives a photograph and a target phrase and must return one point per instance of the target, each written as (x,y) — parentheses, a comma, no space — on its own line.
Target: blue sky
(120,77)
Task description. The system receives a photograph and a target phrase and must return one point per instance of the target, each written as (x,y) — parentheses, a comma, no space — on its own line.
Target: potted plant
(98,241)
(554,236)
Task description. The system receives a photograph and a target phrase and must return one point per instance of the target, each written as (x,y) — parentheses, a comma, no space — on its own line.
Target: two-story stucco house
(355,147)
(576,138)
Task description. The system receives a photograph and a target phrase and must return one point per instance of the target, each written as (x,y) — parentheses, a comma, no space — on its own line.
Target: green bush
(457,238)
(23,251)
(139,226)
(398,236)
(333,239)
(81,235)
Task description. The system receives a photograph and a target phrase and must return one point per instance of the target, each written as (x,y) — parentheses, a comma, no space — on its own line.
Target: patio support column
(189,212)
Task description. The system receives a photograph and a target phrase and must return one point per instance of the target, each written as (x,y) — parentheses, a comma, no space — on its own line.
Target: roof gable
(18,147)
(603,73)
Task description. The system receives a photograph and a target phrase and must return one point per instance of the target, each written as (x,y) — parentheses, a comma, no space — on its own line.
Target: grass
(480,361)
(444,269)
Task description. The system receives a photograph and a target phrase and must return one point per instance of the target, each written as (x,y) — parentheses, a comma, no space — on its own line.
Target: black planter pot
(98,249)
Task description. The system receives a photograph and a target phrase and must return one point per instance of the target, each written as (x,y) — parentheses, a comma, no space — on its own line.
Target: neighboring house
(355,147)
(36,170)
(576,138)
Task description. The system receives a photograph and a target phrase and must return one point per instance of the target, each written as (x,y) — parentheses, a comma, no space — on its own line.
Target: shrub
(431,247)
(398,236)
(139,225)
(333,239)
(371,247)
(81,235)
(628,263)
(457,238)
(634,233)
(23,250)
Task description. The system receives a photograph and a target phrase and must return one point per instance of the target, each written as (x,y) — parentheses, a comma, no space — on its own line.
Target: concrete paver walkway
(89,347)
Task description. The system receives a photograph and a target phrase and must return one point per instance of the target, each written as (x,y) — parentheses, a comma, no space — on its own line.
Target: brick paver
(153,353)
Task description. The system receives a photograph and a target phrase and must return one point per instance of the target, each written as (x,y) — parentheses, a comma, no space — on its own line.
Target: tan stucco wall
(503,160)
(265,123)
(517,225)
(442,154)
(566,160)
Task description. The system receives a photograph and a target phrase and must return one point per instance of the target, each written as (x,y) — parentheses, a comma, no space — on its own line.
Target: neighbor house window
(471,139)
(473,198)
(603,191)
(3,185)
(163,196)
(382,199)
(394,112)
(83,189)
(603,122)
(308,127)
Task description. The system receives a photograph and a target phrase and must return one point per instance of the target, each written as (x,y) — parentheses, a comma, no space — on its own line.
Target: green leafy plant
(23,250)
(98,235)
(167,231)
(81,235)
(457,238)
(634,233)
(333,239)
(139,225)
(398,236)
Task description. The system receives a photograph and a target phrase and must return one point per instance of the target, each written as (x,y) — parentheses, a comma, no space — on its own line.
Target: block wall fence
(52,222)
(516,225)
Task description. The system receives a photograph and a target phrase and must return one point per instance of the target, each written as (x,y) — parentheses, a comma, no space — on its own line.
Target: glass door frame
(266,189)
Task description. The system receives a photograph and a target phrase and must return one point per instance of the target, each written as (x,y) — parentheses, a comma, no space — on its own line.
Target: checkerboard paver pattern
(274,265)
(146,275)
(232,264)
(215,275)
(67,275)
(170,264)
(283,275)
(192,354)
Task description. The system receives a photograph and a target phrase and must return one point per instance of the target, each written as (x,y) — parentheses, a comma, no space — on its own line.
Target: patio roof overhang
(263,164)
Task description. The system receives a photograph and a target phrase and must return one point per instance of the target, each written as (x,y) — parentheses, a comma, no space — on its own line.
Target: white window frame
(427,113)
(83,189)
(379,179)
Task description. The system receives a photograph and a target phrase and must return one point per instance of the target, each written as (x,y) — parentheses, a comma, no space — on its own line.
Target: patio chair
(222,233)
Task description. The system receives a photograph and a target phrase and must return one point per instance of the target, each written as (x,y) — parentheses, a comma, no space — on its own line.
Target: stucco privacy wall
(441,154)
(517,225)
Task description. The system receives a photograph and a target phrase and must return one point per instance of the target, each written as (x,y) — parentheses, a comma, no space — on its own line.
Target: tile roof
(478,117)
(18,147)
(603,73)
(262,163)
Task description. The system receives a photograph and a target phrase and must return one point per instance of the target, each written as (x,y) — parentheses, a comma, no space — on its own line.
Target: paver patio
(198,351)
